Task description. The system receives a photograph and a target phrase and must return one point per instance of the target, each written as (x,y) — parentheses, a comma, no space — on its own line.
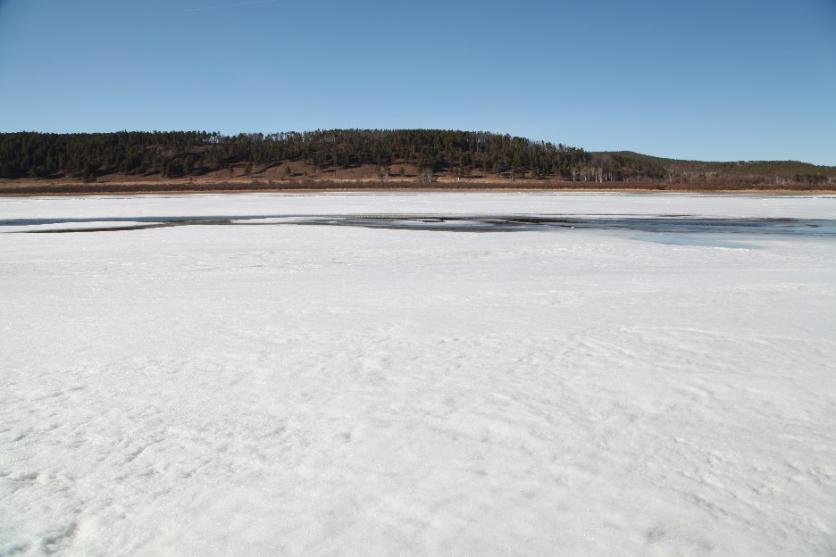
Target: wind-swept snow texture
(343,390)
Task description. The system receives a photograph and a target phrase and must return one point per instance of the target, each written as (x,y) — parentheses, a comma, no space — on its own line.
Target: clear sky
(697,79)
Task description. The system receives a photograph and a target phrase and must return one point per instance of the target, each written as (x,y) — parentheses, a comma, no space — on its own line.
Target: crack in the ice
(455,223)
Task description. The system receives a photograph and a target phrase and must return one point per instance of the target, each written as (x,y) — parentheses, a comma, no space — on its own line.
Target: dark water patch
(655,224)
(93,229)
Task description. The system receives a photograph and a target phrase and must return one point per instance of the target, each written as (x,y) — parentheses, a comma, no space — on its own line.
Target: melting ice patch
(662,224)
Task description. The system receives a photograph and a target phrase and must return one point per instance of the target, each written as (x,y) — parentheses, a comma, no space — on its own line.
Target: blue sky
(706,79)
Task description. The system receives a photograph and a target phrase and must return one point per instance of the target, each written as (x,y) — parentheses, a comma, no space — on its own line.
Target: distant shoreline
(33,163)
(13,188)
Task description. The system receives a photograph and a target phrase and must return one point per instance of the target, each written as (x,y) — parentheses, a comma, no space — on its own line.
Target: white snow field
(341,390)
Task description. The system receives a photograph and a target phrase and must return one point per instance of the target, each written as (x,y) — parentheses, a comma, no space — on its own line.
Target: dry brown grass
(252,183)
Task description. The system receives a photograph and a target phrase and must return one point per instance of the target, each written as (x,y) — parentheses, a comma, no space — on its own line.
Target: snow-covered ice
(340,390)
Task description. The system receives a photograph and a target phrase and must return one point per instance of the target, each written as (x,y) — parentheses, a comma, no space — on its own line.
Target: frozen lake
(424,374)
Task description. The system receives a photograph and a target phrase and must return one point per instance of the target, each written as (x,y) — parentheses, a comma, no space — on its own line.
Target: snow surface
(315,390)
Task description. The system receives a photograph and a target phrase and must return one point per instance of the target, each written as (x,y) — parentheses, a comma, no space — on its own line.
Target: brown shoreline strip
(11,189)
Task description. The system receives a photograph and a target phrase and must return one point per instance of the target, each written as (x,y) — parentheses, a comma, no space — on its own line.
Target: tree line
(178,154)
(193,153)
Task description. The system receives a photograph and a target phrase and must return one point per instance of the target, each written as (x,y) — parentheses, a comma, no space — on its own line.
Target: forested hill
(399,154)
(627,165)
(178,154)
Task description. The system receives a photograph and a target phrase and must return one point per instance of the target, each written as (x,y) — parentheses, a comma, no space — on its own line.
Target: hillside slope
(355,155)
(625,165)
